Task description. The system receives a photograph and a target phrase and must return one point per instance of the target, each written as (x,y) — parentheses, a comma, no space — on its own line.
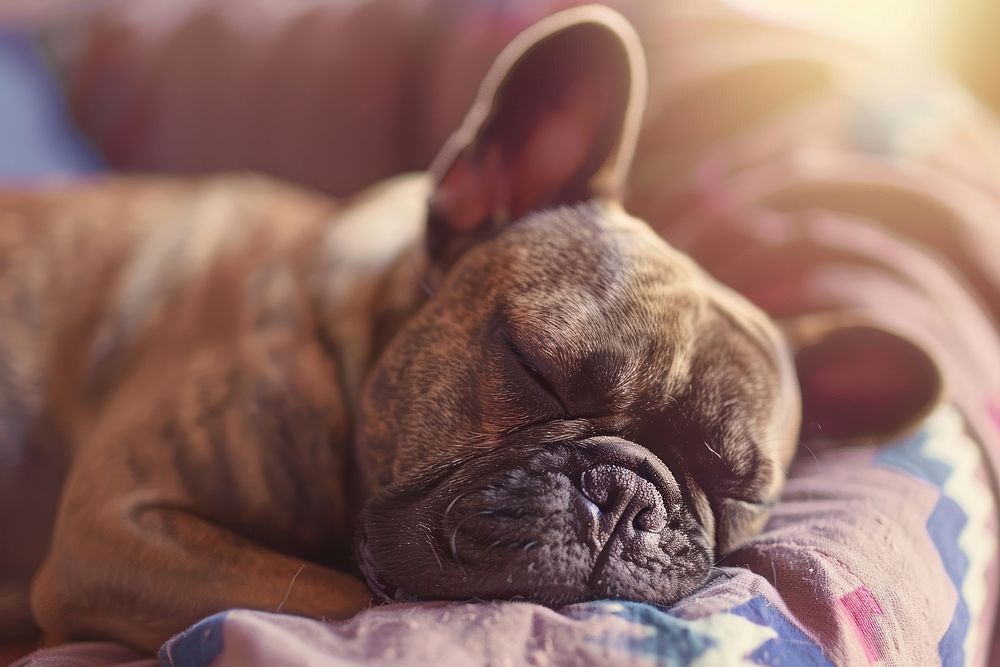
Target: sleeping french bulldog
(485,382)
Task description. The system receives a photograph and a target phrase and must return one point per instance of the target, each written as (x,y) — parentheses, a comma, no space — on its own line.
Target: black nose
(629,505)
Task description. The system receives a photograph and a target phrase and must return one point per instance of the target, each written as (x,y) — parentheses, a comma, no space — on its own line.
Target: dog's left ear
(860,381)
(555,122)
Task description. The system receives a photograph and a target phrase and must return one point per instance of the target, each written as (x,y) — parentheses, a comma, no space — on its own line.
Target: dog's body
(183,315)
(528,392)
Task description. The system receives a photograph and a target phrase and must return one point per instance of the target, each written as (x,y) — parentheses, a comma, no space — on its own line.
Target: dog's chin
(525,533)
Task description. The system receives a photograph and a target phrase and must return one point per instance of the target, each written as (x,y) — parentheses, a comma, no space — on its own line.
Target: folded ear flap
(555,122)
(860,381)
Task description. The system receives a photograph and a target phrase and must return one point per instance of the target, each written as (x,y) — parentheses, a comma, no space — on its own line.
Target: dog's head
(578,411)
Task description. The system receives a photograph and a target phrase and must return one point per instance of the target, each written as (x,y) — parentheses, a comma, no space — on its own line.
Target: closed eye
(531,370)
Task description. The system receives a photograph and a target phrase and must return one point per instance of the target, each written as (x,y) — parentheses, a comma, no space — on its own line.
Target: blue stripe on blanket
(197,646)
(944,526)
(790,647)
(669,640)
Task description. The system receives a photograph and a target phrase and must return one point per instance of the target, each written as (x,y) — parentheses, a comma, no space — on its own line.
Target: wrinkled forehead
(589,279)
(576,259)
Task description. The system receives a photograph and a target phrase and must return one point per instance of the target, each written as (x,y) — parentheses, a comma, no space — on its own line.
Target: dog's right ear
(555,122)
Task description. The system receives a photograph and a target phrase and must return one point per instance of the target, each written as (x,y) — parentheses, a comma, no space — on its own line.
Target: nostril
(608,485)
(622,495)
(596,486)
(648,520)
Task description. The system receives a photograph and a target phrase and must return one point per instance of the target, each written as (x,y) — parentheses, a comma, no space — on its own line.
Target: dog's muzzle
(601,518)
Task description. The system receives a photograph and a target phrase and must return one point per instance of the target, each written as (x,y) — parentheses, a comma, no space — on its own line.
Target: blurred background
(339,93)
(957,35)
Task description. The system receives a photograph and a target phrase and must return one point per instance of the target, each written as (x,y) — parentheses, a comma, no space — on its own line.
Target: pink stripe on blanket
(863,611)
(993,408)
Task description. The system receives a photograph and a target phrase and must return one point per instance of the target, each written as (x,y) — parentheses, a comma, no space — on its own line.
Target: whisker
(712,450)
(430,543)
(454,535)
(288,591)
(452,503)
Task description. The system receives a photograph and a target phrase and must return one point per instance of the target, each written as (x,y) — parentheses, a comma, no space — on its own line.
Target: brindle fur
(190,362)
(163,338)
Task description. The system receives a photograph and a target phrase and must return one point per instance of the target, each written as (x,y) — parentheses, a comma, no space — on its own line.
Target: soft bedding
(876,555)
(773,158)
